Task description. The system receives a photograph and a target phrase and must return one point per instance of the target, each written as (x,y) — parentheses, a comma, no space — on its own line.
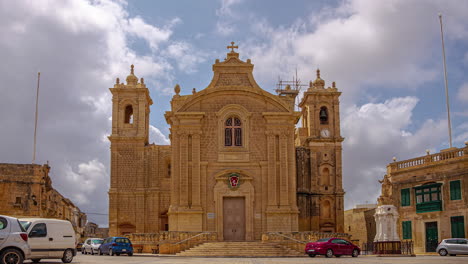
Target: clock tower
(319,162)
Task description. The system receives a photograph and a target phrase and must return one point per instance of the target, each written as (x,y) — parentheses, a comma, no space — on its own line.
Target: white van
(50,239)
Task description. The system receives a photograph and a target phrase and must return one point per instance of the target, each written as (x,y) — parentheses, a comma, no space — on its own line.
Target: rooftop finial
(131,69)
(232,47)
(318,73)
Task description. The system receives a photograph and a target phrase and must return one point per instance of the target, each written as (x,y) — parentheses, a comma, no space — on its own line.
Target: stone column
(196,170)
(183,147)
(271,169)
(283,174)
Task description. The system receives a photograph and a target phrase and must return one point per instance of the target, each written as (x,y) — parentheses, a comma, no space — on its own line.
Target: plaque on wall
(210,215)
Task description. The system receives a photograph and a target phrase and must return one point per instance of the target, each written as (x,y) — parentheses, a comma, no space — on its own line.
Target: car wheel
(312,255)
(82,251)
(67,256)
(329,253)
(111,253)
(11,256)
(35,260)
(130,254)
(355,253)
(443,252)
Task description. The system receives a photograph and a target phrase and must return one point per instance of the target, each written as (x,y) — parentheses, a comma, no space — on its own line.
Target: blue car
(116,246)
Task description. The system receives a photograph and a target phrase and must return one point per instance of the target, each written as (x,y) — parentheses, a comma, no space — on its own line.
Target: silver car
(14,247)
(91,246)
(453,246)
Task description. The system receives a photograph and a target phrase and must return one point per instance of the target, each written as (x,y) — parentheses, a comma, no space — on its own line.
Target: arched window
(128,114)
(323,115)
(233,132)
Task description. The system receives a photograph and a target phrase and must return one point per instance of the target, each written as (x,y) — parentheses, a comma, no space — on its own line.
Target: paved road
(85,259)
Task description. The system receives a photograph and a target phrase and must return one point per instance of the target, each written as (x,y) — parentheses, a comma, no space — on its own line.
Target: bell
(323,113)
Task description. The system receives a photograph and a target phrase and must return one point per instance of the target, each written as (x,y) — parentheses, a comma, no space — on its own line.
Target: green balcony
(429,207)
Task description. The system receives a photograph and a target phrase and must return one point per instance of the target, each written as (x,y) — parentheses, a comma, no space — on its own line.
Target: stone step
(240,249)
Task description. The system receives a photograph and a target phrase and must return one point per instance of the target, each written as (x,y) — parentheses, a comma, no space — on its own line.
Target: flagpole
(35,122)
(446,82)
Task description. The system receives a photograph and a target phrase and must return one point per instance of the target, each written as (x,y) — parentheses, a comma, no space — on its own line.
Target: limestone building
(26,191)
(430,193)
(237,166)
(359,222)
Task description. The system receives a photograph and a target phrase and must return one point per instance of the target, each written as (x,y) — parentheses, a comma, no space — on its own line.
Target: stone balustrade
(298,240)
(430,159)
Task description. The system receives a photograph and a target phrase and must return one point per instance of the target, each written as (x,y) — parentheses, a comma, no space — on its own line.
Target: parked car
(332,247)
(14,247)
(116,246)
(50,239)
(91,246)
(453,247)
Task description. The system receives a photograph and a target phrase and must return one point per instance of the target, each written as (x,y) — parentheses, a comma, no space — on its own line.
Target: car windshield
(323,240)
(25,224)
(97,241)
(122,240)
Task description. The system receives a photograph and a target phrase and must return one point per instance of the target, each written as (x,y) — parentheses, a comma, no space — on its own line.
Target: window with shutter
(455,190)
(458,226)
(405,197)
(407,232)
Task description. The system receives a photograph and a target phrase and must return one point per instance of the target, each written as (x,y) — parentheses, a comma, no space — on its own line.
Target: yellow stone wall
(26,191)
(443,167)
(143,197)
(359,223)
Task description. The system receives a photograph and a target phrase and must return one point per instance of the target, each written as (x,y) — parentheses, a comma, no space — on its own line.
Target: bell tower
(130,133)
(320,191)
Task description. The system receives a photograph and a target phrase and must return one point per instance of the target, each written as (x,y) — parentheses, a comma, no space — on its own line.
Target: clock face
(325,133)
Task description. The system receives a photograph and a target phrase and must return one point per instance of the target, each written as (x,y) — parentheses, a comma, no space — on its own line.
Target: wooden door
(431,236)
(234,218)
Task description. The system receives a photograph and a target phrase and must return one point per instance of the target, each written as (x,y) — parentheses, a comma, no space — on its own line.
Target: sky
(385,57)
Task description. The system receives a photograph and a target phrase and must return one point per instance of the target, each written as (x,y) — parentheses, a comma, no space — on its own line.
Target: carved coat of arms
(233,180)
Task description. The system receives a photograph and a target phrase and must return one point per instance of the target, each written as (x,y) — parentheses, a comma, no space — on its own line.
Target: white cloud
(80,47)
(225,25)
(463,93)
(185,56)
(150,33)
(360,44)
(83,182)
(376,132)
(157,137)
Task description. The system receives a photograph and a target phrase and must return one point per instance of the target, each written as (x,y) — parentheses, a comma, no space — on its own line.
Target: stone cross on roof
(232,47)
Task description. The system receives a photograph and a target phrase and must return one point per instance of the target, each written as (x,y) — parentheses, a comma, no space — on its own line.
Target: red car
(332,246)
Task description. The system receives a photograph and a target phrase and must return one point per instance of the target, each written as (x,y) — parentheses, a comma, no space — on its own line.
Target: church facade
(238,164)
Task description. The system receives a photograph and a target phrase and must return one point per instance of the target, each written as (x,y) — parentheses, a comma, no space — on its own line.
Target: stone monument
(386,240)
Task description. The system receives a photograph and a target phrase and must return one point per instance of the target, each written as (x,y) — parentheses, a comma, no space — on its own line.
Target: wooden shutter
(455,190)
(405,197)
(407,232)
(458,226)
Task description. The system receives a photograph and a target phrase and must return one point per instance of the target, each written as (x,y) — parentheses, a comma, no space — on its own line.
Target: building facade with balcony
(430,193)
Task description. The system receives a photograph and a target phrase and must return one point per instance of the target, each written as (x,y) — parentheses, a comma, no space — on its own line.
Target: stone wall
(26,191)
(439,168)
(360,224)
